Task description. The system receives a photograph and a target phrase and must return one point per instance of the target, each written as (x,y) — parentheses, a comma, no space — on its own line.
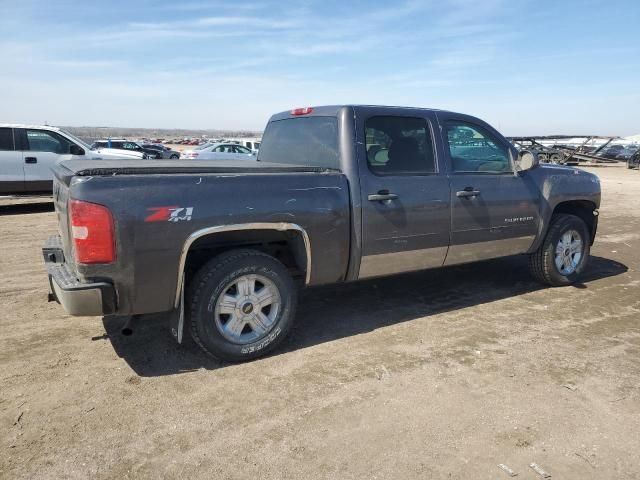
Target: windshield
(76,139)
(203,146)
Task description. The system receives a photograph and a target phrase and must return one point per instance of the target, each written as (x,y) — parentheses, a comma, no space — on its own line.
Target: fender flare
(279,226)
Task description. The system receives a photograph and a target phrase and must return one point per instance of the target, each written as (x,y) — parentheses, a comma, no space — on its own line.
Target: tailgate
(60,202)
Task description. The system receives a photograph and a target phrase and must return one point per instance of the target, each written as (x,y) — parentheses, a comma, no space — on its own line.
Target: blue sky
(526,66)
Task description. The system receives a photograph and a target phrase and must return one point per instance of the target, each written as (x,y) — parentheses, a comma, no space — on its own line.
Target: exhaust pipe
(127,327)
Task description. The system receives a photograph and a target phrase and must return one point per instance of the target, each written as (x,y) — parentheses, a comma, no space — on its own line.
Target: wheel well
(288,246)
(580,208)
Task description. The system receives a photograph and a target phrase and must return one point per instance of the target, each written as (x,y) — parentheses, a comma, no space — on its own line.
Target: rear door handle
(468,193)
(30,160)
(381,196)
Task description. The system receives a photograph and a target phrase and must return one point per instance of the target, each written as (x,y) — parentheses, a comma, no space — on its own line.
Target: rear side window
(399,145)
(310,141)
(6,139)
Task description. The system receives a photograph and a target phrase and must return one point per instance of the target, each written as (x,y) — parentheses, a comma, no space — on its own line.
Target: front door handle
(30,160)
(382,196)
(468,192)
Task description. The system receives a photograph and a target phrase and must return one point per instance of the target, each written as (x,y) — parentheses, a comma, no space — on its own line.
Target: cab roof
(333,110)
(21,125)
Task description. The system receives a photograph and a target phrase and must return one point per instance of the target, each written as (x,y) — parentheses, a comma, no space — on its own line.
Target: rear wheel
(241,304)
(563,255)
(174,157)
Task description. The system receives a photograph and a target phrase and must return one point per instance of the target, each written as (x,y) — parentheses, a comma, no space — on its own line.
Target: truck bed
(215,193)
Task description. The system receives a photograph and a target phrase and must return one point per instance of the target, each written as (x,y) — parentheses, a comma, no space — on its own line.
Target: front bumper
(76,297)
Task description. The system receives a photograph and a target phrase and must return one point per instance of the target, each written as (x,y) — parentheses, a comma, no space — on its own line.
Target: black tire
(542,262)
(210,283)
(174,157)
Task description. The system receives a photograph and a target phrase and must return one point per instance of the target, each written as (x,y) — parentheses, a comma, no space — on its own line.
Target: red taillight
(92,232)
(301,111)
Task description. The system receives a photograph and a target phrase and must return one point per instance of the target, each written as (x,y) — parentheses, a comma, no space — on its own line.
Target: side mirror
(76,150)
(527,160)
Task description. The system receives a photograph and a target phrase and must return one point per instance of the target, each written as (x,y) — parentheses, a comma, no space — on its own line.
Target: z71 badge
(169,214)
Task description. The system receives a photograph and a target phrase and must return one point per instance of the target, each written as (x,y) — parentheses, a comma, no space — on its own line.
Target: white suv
(27,154)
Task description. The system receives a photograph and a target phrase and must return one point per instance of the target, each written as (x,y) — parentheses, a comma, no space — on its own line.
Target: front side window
(44,141)
(399,145)
(305,141)
(6,139)
(241,149)
(474,149)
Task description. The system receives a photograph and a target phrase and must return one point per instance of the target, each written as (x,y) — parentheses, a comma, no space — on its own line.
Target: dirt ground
(439,374)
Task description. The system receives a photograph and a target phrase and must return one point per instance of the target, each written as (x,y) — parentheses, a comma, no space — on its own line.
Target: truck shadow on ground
(338,311)
(25,208)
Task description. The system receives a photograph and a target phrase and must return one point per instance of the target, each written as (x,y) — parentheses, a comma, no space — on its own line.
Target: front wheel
(174,157)
(241,305)
(564,254)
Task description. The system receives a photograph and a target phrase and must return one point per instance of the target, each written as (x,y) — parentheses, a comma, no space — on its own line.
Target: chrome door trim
(494,248)
(280,226)
(398,262)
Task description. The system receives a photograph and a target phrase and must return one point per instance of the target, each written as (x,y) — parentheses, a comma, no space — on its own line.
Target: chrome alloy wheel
(568,252)
(247,309)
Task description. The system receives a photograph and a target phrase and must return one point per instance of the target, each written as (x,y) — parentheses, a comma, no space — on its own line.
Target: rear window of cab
(308,141)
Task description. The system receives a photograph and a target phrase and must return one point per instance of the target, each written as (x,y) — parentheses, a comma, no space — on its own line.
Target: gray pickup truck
(338,193)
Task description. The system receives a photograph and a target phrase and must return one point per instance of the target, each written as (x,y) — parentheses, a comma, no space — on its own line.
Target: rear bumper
(76,297)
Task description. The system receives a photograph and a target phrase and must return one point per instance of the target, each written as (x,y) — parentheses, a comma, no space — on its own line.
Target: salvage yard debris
(510,472)
(538,469)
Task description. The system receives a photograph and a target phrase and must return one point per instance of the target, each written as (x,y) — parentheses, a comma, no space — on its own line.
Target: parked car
(219,151)
(28,152)
(130,145)
(162,151)
(634,160)
(252,144)
(338,193)
(612,151)
(628,152)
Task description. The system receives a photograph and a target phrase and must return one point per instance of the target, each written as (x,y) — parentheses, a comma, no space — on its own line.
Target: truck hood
(579,175)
